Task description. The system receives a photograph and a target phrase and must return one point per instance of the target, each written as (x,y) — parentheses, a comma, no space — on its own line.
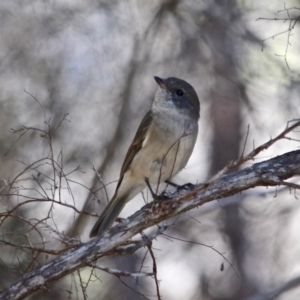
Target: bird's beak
(160,82)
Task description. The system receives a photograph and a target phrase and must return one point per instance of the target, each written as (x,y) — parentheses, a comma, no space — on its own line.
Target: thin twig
(154,269)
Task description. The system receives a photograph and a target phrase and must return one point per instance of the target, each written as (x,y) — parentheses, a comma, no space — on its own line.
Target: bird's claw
(162,197)
(187,186)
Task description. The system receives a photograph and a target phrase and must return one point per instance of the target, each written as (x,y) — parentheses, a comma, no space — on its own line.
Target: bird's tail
(109,215)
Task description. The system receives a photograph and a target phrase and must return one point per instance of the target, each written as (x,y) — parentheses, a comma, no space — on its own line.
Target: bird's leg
(150,188)
(171,183)
(187,186)
(162,196)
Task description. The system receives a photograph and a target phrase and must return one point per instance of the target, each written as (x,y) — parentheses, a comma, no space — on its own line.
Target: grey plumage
(161,147)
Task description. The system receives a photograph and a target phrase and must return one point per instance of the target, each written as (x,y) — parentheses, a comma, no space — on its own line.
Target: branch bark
(117,241)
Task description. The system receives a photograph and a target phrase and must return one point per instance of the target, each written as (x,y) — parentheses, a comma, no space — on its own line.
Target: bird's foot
(187,186)
(157,198)
(162,197)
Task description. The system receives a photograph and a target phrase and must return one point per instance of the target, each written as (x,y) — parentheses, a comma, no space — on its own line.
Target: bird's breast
(165,150)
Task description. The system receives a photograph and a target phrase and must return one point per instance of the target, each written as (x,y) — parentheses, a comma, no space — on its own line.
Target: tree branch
(272,172)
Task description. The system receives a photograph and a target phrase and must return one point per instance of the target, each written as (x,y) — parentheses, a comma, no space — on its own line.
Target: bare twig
(292,23)
(154,268)
(207,246)
(119,273)
(254,152)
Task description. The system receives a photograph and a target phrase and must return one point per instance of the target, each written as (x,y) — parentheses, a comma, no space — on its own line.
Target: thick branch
(272,172)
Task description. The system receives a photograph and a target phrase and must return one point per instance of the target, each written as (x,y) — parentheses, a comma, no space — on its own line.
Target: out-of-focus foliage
(95,61)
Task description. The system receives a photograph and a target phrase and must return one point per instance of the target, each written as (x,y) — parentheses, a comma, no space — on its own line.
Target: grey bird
(161,147)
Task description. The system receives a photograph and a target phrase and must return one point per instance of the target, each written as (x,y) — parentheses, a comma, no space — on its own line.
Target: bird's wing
(137,143)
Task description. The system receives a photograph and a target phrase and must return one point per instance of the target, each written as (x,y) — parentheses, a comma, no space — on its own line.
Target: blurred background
(95,61)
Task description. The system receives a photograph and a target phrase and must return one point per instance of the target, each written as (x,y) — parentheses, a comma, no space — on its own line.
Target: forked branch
(117,240)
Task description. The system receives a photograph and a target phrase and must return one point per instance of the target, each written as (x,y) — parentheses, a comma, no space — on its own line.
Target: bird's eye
(179,93)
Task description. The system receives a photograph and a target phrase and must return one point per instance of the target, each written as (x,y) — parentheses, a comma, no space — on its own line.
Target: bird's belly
(160,161)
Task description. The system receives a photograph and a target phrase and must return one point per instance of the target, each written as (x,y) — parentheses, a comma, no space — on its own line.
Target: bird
(160,148)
